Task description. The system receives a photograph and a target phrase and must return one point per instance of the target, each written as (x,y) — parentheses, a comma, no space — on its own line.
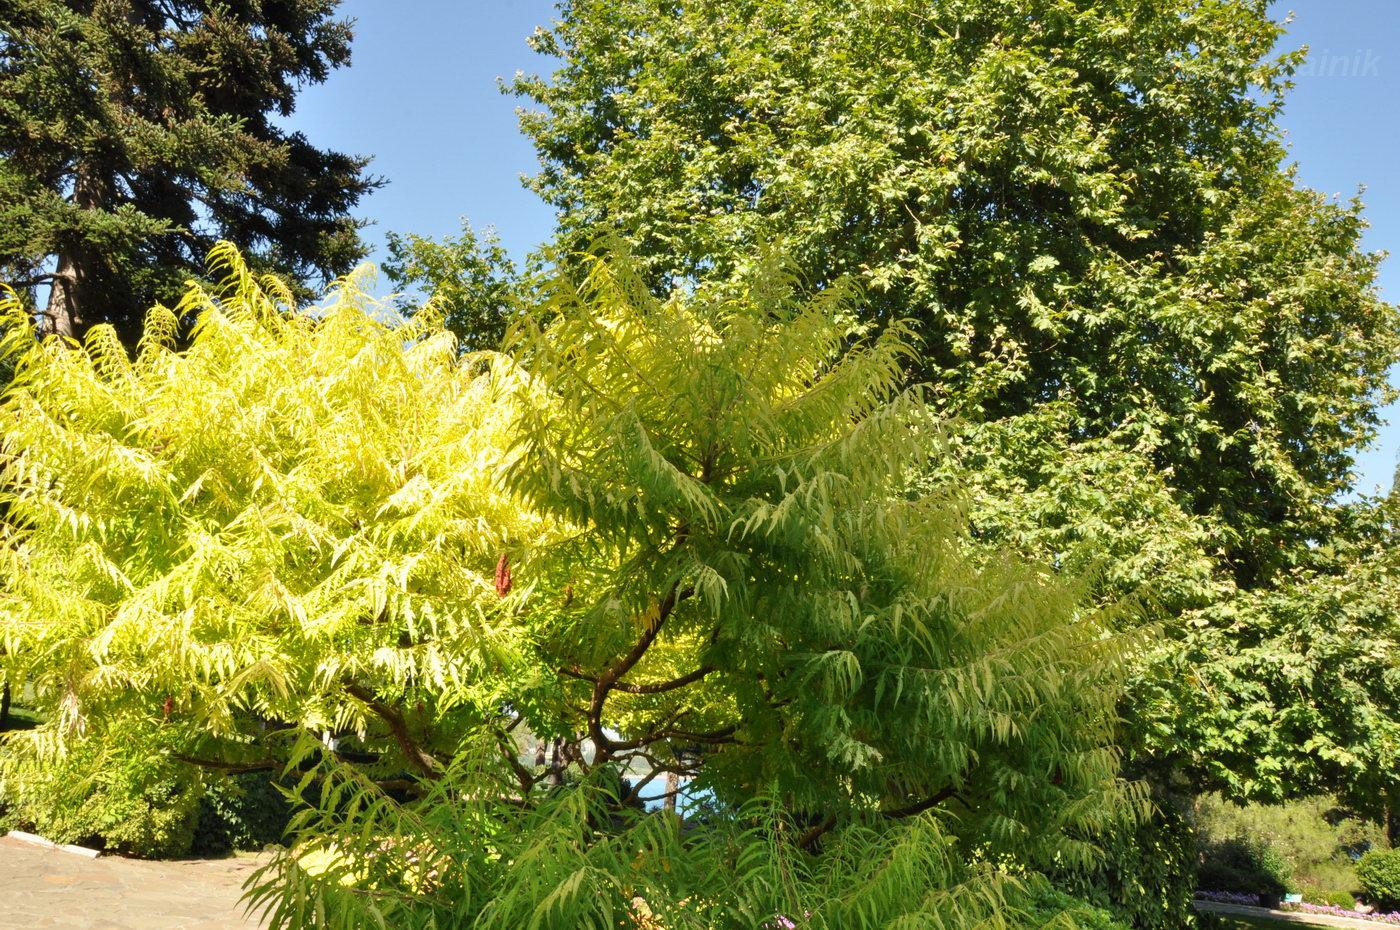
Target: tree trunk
(64,313)
(673,784)
(557,777)
(60,316)
(1392,828)
(5,707)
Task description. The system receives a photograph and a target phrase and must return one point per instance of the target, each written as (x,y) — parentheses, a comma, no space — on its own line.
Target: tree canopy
(1075,203)
(470,278)
(1292,691)
(134,134)
(663,534)
(1161,349)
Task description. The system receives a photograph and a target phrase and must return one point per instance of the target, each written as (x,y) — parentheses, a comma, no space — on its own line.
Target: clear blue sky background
(421,97)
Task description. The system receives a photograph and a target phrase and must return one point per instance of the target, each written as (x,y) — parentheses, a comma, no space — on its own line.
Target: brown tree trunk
(64,312)
(673,784)
(60,316)
(5,707)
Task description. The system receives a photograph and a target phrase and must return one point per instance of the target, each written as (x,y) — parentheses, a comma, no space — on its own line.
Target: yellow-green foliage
(295,500)
(653,537)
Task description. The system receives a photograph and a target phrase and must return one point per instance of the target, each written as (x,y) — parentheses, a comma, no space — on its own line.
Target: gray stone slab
(47,887)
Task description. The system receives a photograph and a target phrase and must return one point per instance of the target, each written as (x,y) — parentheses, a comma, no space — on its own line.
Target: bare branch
(661,687)
(261,765)
(398,727)
(926,804)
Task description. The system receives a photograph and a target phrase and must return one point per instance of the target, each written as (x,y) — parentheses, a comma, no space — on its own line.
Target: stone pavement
(41,887)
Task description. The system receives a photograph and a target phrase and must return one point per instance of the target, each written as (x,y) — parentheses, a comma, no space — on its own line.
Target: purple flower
(1331,910)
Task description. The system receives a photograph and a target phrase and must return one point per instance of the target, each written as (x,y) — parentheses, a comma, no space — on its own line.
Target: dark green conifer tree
(136,133)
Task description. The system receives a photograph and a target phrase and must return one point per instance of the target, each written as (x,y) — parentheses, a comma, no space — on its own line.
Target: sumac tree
(665,535)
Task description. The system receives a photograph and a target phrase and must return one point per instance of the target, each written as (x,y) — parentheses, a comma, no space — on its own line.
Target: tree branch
(661,687)
(398,727)
(37,280)
(575,673)
(522,774)
(609,679)
(260,766)
(815,833)
(926,804)
(722,735)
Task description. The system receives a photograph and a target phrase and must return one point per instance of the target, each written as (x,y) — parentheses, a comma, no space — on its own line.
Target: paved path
(41,887)
(1311,920)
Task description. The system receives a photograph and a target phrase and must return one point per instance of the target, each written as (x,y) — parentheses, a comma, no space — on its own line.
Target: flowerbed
(1331,910)
(1229,897)
(1326,910)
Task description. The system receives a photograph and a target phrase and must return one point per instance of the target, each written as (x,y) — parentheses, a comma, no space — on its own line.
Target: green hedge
(1379,874)
(145,808)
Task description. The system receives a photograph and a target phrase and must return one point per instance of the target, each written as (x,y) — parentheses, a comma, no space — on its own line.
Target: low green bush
(1049,904)
(244,811)
(141,807)
(1378,871)
(1344,899)
(1248,865)
(141,804)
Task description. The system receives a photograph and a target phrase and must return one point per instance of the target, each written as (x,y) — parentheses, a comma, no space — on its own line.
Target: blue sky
(421,96)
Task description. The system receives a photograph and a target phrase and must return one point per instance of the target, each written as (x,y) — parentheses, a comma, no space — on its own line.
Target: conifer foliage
(134,134)
(657,536)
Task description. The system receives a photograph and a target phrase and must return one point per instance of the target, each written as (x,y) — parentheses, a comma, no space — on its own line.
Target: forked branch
(398,728)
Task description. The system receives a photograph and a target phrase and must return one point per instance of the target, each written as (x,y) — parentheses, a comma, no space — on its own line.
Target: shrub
(1379,875)
(92,798)
(243,811)
(1245,864)
(156,823)
(1343,899)
(149,810)
(1049,903)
